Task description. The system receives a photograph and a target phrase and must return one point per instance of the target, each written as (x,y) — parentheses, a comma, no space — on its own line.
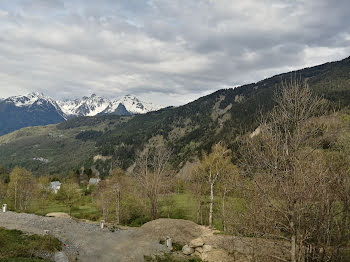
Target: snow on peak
(132,104)
(86,106)
(93,105)
(30,99)
(136,106)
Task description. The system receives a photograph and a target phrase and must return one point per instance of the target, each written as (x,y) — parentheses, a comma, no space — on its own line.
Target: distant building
(93,181)
(55,186)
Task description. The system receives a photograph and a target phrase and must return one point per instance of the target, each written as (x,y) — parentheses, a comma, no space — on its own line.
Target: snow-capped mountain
(31,110)
(94,105)
(132,104)
(87,106)
(37,109)
(32,99)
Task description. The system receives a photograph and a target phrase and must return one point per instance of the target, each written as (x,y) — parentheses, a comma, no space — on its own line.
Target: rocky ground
(86,241)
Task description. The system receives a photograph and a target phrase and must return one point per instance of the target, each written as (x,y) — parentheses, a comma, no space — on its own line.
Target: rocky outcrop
(187,250)
(198,242)
(198,248)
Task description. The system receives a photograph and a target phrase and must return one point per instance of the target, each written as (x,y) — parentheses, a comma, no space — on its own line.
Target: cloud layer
(168,52)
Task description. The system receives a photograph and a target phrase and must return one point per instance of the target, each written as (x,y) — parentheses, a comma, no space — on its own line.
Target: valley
(211,169)
(175,131)
(187,130)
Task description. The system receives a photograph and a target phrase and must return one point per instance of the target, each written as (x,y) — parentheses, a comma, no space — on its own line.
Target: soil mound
(181,231)
(58,214)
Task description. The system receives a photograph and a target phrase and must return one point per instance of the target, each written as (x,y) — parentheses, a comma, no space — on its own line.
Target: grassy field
(17,246)
(176,206)
(86,209)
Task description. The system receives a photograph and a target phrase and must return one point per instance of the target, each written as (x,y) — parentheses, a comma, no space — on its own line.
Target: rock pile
(197,247)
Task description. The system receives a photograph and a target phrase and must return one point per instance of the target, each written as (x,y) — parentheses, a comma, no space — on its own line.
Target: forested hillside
(186,130)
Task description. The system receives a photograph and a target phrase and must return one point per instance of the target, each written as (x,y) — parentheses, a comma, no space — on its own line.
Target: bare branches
(151,174)
(290,180)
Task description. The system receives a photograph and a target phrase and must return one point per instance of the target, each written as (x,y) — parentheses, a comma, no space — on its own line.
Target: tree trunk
(293,244)
(118,207)
(223,211)
(199,212)
(154,209)
(16,196)
(211,204)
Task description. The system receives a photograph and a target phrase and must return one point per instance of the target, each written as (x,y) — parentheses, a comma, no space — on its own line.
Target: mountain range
(224,115)
(37,109)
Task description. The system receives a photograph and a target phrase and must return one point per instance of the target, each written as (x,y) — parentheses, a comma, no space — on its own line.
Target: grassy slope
(59,146)
(16,246)
(20,147)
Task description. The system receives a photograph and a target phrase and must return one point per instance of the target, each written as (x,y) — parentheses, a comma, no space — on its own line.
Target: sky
(168,52)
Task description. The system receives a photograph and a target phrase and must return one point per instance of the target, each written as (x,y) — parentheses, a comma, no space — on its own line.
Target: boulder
(198,242)
(206,248)
(187,250)
(199,249)
(197,254)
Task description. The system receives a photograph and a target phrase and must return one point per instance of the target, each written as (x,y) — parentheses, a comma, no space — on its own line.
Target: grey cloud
(167,51)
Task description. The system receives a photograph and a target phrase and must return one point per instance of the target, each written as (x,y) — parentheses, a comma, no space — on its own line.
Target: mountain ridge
(36,109)
(188,130)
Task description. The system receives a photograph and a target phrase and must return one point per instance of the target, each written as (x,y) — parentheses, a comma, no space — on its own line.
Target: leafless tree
(116,183)
(21,188)
(289,192)
(199,189)
(103,194)
(228,184)
(151,174)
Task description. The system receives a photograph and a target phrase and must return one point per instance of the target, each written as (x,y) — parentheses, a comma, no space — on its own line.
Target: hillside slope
(47,149)
(187,129)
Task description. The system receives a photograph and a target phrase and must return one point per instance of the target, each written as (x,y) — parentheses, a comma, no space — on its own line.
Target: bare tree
(2,191)
(228,184)
(103,194)
(43,192)
(151,173)
(21,188)
(199,189)
(116,182)
(289,176)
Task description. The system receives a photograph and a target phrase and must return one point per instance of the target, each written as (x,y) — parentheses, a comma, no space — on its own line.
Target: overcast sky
(165,51)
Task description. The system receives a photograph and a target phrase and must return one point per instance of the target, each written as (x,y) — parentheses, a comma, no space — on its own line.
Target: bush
(15,246)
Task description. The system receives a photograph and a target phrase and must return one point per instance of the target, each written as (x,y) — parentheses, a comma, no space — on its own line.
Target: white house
(93,181)
(55,186)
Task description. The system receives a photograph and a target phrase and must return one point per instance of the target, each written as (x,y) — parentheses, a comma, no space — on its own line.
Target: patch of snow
(94,105)
(36,98)
(86,106)
(41,159)
(133,105)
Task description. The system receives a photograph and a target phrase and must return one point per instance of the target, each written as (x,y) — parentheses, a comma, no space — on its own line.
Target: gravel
(85,241)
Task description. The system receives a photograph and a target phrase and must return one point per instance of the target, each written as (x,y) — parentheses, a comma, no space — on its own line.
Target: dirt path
(86,241)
